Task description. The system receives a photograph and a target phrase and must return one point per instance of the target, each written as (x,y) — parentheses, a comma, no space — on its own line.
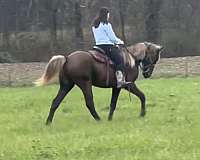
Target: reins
(143,68)
(139,62)
(129,52)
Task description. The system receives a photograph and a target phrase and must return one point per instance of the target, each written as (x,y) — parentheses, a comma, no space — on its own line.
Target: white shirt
(104,35)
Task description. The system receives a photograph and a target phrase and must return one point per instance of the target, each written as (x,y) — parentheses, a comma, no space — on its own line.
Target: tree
(152,20)
(122,14)
(4,23)
(52,8)
(77,24)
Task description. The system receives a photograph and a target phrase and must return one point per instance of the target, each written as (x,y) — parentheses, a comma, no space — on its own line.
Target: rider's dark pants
(114,53)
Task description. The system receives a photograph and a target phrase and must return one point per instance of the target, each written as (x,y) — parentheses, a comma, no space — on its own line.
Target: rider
(106,39)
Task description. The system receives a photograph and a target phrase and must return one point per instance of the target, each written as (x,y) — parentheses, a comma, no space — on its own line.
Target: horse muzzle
(146,74)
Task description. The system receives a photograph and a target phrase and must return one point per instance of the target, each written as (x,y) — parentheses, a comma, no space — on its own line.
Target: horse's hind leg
(86,88)
(133,89)
(64,89)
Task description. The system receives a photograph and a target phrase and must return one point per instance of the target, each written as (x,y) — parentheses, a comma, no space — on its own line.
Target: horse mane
(133,53)
(138,50)
(128,58)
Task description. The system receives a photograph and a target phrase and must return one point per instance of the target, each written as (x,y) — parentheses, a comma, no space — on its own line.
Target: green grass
(170,130)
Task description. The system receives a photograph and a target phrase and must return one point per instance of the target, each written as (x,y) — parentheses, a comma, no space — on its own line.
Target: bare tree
(4,19)
(195,6)
(52,8)
(77,24)
(122,14)
(23,23)
(152,20)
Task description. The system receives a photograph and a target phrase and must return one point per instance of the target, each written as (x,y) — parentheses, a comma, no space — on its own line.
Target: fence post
(186,67)
(9,78)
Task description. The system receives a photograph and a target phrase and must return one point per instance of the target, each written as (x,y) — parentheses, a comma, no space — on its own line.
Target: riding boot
(121,82)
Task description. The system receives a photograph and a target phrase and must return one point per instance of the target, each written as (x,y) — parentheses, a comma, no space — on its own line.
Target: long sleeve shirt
(104,35)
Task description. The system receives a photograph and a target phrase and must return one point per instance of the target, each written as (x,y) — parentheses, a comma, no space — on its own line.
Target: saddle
(99,55)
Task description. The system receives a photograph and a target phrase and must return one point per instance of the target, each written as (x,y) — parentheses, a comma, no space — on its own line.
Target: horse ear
(147,44)
(161,49)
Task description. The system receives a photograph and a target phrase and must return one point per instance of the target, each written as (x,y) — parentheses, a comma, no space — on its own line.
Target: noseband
(146,68)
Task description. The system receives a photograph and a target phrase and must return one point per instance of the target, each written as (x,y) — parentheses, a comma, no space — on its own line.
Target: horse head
(147,55)
(152,55)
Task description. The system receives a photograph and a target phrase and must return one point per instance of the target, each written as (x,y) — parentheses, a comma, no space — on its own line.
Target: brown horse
(82,69)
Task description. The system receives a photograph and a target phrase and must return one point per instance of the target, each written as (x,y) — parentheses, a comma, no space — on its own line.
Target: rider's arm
(110,33)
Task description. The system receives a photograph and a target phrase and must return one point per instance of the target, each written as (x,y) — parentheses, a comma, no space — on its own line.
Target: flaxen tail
(51,70)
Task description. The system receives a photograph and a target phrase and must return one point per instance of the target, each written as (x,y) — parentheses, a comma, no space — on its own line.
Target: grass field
(170,130)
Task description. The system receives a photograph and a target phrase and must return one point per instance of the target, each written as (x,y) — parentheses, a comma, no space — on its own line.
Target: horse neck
(137,51)
(129,58)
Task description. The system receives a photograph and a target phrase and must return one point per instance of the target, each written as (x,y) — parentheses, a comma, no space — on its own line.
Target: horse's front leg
(133,89)
(115,94)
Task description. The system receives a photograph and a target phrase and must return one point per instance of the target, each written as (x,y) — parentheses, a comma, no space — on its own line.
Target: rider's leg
(114,53)
(116,56)
(106,48)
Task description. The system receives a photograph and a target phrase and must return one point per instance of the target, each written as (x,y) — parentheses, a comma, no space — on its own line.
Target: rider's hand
(120,42)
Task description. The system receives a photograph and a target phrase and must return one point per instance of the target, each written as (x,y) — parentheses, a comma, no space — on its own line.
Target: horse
(80,68)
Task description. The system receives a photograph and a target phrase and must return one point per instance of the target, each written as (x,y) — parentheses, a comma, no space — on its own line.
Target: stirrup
(121,84)
(121,79)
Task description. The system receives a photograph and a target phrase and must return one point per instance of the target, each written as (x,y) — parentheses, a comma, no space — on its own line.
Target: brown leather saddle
(99,55)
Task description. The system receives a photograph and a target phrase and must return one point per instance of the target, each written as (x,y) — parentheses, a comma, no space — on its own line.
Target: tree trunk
(77,25)
(152,21)
(4,16)
(53,31)
(122,18)
(52,7)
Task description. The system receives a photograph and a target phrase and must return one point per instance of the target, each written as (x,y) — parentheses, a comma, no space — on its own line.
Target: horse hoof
(97,119)
(48,123)
(142,114)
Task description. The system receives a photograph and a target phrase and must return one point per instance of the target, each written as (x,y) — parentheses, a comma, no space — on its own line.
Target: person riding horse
(106,39)
(80,68)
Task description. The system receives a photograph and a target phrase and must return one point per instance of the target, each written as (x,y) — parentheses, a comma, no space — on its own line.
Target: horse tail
(51,70)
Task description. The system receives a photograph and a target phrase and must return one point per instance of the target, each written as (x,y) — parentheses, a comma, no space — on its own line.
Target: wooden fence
(21,74)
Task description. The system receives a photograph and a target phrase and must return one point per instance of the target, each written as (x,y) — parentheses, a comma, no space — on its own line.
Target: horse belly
(101,78)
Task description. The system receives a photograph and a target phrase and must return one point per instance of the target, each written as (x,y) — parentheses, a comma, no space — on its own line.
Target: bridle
(144,69)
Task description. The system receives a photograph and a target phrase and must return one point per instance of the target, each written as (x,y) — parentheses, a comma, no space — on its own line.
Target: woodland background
(34,30)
